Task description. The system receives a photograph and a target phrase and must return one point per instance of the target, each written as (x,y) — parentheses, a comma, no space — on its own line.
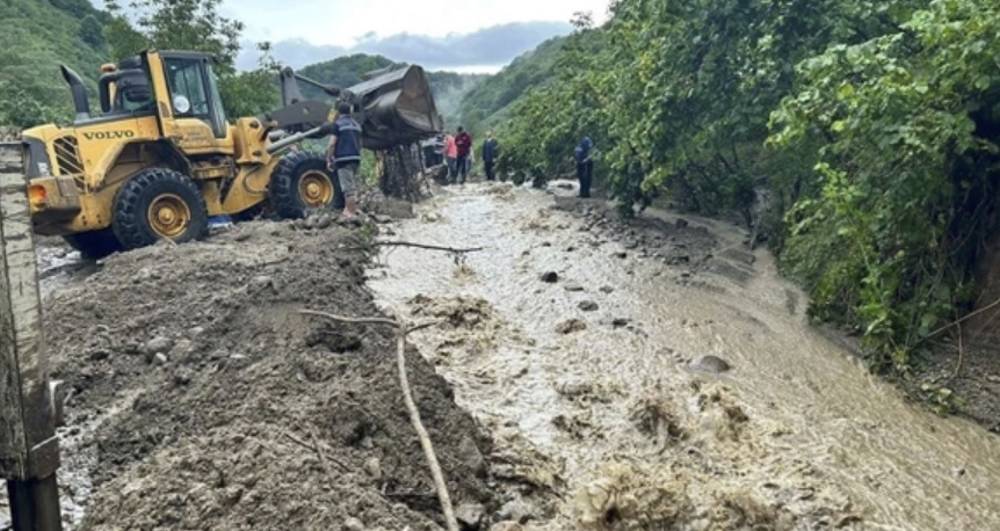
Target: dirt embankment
(200,399)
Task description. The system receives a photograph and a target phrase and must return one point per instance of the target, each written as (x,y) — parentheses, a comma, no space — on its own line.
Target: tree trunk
(401,173)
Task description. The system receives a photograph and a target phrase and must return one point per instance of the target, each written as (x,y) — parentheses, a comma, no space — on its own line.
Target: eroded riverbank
(587,386)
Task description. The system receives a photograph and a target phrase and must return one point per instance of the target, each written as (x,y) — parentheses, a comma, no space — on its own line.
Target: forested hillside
(861,136)
(36,36)
(487,104)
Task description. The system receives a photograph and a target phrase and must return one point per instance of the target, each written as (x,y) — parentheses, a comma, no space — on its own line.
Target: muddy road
(597,357)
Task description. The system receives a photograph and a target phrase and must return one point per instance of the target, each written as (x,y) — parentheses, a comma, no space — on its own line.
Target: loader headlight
(37,195)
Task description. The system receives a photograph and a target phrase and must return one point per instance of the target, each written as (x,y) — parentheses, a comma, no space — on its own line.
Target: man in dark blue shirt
(490,151)
(344,155)
(584,165)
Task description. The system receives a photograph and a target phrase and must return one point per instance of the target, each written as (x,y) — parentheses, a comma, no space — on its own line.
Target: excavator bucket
(397,108)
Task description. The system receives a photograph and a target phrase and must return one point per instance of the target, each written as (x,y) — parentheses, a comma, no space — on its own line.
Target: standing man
(451,157)
(490,151)
(344,156)
(464,144)
(584,165)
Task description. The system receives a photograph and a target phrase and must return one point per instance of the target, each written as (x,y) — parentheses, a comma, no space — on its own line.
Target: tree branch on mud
(458,254)
(315,447)
(947,327)
(425,439)
(456,250)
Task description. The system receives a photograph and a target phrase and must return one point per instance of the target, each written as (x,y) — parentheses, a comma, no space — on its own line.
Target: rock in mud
(711,364)
(470,515)
(620,322)
(574,288)
(589,306)
(353,524)
(157,345)
(182,377)
(571,326)
(550,277)
(516,510)
(373,466)
(261,282)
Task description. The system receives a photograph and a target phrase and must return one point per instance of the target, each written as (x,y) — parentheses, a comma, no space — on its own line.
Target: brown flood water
(796,435)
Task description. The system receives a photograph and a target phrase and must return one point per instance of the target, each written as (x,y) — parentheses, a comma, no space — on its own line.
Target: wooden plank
(28,446)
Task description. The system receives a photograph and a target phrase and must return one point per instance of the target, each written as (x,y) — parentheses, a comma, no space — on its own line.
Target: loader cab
(175,85)
(194,89)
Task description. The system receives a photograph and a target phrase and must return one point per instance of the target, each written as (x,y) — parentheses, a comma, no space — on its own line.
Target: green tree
(252,93)
(196,25)
(906,131)
(178,25)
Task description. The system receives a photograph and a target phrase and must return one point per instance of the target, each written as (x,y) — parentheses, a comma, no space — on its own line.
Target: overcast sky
(459,35)
(344,22)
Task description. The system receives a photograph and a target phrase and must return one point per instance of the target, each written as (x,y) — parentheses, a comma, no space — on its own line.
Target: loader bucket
(398,108)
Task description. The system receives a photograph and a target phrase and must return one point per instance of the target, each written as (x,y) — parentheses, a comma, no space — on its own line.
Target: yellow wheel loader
(161,158)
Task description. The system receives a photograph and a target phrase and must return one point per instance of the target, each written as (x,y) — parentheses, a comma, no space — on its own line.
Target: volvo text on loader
(161,157)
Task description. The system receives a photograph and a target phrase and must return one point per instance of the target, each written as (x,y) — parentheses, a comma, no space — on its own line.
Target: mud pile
(199,398)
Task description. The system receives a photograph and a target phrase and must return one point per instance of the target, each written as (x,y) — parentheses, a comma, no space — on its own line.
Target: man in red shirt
(463,141)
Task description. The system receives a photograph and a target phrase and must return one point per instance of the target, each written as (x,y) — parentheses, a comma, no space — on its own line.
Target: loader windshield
(194,92)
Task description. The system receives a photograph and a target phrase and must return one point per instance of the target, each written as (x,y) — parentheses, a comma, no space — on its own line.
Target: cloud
(488,47)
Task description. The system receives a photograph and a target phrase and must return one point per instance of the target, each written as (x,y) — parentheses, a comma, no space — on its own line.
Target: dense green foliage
(908,129)
(36,36)
(881,164)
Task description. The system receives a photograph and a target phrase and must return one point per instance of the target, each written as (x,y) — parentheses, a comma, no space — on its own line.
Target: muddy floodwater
(594,385)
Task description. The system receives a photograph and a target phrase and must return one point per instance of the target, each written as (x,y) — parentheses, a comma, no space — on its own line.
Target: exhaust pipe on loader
(80,100)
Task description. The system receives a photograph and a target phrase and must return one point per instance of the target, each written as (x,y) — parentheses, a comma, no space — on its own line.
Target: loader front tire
(301,184)
(159,203)
(95,245)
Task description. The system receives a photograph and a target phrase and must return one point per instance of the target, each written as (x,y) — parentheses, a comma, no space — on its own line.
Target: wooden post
(29,449)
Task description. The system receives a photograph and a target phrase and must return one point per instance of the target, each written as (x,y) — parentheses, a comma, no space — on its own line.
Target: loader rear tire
(295,179)
(159,203)
(95,245)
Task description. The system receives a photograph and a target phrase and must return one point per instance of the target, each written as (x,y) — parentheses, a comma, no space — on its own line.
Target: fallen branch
(425,440)
(947,327)
(318,450)
(456,250)
(351,320)
(961,354)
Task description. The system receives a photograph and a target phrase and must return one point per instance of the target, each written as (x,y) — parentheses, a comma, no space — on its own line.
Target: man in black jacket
(584,165)
(491,148)
(345,156)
